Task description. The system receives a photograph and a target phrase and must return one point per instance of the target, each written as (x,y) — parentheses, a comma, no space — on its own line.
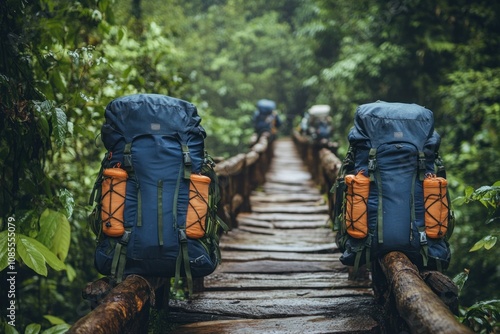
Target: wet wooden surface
(280,270)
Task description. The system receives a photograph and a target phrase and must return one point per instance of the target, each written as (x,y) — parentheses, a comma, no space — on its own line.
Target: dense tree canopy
(62,61)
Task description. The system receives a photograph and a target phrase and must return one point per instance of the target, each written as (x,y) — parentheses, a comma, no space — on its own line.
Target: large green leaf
(59,124)
(54,320)
(67,201)
(30,255)
(55,232)
(58,329)
(33,329)
(10,330)
(35,255)
(487,242)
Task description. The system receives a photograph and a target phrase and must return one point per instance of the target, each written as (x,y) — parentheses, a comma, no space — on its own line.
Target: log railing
(124,308)
(414,301)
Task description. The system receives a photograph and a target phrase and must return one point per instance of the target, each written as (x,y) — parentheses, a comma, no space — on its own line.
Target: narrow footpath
(280,271)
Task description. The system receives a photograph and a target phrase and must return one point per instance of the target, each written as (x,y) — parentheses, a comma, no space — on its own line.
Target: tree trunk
(416,303)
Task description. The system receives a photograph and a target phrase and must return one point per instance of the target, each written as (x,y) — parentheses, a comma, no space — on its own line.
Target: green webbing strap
(121,264)
(412,198)
(116,258)
(127,157)
(374,174)
(160,212)
(187,265)
(176,198)
(357,259)
(183,258)
(424,247)
(186,158)
(182,233)
(178,264)
(120,257)
(439,265)
(424,251)
(380,210)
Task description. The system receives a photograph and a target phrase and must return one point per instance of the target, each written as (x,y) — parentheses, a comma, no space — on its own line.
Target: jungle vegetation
(62,61)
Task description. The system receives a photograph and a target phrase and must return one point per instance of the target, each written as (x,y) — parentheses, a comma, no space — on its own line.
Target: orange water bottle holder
(436,206)
(114,186)
(356,213)
(198,206)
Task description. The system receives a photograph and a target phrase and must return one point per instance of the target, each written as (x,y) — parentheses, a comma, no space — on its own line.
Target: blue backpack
(264,118)
(156,143)
(385,197)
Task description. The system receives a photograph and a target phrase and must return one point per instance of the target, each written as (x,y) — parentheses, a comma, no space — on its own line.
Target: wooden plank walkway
(280,270)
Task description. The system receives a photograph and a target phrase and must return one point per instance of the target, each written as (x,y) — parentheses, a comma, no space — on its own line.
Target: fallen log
(422,310)
(124,309)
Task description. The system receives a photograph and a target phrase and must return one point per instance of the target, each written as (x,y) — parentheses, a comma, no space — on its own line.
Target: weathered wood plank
(289,176)
(275,308)
(266,266)
(319,235)
(272,281)
(272,188)
(313,324)
(285,225)
(261,197)
(302,210)
(331,247)
(274,217)
(306,324)
(282,256)
(286,293)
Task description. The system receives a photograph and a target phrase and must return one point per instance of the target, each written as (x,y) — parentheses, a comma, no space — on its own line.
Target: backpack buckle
(186,157)
(372,164)
(125,238)
(423,238)
(182,235)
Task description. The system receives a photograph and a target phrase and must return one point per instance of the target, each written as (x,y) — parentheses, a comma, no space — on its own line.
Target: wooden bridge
(280,271)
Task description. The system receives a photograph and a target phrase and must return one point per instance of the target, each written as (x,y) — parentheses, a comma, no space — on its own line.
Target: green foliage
(489,197)
(37,329)
(483,317)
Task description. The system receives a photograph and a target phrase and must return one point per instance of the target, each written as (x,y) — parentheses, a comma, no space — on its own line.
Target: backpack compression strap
(183,256)
(374,174)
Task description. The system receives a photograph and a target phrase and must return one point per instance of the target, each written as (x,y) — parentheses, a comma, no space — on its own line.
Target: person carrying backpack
(320,123)
(266,118)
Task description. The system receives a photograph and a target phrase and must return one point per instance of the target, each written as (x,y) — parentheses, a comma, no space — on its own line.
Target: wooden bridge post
(125,309)
(422,310)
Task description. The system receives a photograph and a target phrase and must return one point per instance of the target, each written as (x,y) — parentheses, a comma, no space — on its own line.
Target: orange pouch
(436,206)
(356,213)
(114,187)
(198,206)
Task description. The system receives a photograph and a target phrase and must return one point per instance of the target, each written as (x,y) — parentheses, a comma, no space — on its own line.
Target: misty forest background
(62,61)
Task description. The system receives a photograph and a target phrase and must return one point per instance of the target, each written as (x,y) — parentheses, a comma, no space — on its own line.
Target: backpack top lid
(384,122)
(140,114)
(266,106)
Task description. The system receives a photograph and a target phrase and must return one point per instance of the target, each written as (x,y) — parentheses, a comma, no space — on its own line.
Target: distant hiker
(319,122)
(265,118)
